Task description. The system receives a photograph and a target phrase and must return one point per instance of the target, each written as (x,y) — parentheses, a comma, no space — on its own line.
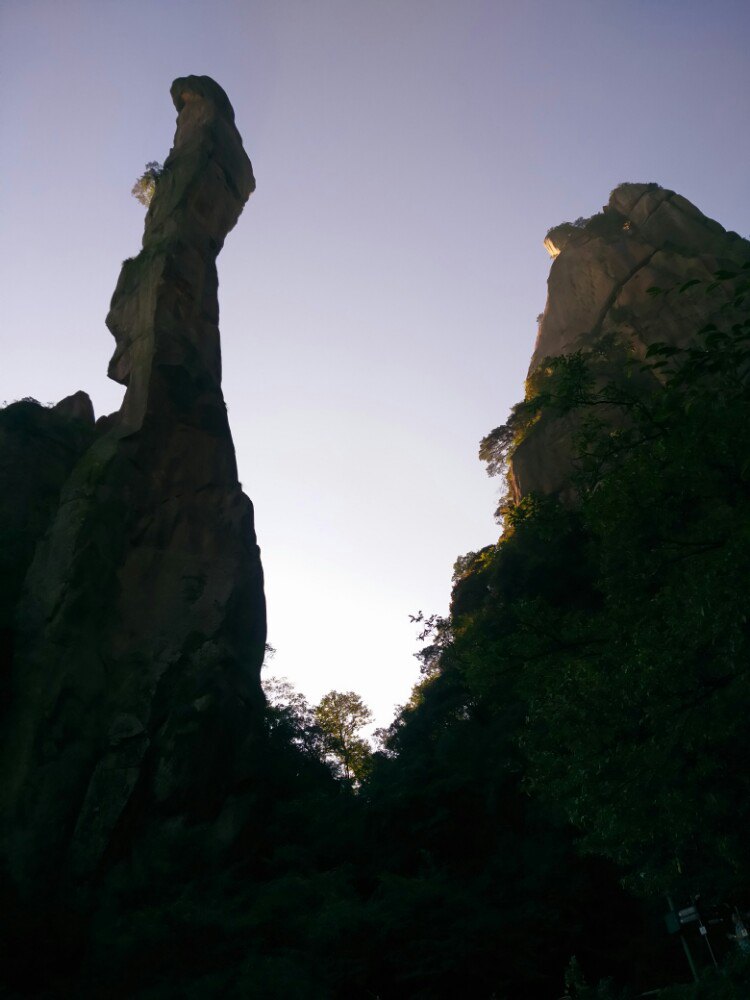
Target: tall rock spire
(135,681)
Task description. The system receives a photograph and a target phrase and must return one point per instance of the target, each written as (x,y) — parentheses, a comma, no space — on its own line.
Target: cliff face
(38,448)
(597,301)
(134,687)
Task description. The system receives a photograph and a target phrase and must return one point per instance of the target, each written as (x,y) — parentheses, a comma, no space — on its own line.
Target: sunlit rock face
(597,300)
(134,694)
(558,238)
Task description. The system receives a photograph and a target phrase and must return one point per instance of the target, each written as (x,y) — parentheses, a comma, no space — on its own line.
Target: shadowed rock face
(39,446)
(135,693)
(597,301)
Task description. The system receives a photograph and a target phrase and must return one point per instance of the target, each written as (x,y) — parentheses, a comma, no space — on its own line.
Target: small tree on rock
(144,188)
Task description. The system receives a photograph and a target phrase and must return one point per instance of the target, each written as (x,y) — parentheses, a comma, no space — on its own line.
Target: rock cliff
(598,301)
(134,648)
(38,448)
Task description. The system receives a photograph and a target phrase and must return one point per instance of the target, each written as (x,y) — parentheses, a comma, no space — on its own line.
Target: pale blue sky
(378,297)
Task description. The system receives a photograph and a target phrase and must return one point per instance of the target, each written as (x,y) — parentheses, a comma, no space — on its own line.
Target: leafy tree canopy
(621,621)
(341,716)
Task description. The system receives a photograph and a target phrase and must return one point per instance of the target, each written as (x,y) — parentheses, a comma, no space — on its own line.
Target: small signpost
(688,915)
(674,921)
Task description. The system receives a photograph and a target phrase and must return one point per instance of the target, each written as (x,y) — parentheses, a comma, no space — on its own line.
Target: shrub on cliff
(145,187)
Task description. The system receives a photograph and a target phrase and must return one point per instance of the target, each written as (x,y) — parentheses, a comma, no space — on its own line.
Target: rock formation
(38,448)
(598,301)
(132,685)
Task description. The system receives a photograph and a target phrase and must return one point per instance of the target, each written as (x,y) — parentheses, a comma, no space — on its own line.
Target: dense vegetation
(573,762)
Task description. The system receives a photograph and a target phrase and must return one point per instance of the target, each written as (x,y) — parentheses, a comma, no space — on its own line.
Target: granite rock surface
(133,696)
(598,301)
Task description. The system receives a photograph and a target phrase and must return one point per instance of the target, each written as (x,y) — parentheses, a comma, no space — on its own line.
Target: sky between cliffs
(378,296)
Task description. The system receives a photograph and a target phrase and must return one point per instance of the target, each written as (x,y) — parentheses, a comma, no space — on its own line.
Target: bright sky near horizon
(378,296)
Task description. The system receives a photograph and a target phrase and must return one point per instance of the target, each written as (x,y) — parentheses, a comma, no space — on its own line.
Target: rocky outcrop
(598,301)
(134,694)
(39,447)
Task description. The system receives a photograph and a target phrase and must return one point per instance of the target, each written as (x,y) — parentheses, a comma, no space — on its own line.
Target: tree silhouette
(341,716)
